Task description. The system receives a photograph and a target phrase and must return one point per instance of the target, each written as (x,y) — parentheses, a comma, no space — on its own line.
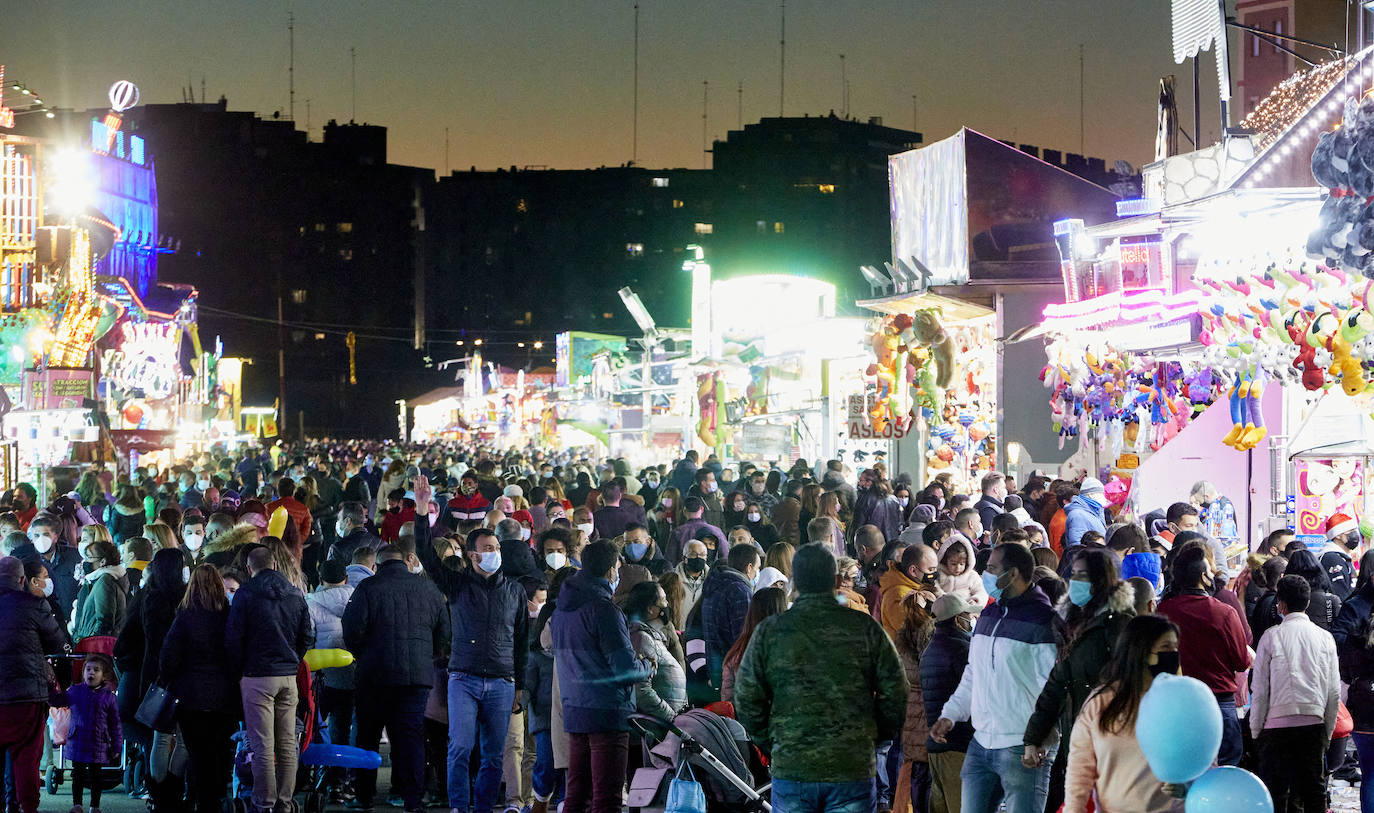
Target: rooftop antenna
(914,120)
(353,83)
(446,169)
(202,88)
(844,91)
(739,113)
(705,90)
(291,66)
(634,145)
(307,119)
(782,60)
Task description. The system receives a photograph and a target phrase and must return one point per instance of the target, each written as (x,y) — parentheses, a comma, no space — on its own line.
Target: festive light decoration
(1292,98)
(146,360)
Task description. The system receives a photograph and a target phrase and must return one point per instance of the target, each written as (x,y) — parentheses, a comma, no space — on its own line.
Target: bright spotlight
(74,181)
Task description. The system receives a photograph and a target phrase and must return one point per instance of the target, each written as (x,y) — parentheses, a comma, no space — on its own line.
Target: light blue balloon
(1178,728)
(1228,790)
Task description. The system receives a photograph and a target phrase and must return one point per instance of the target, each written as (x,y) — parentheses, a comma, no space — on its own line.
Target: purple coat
(96,736)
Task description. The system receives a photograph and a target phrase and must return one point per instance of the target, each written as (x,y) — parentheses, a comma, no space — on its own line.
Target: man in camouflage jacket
(819,686)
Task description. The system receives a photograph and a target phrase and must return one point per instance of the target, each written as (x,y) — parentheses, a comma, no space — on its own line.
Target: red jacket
(391,523)
(296,510)
(463,507)
(1211,641)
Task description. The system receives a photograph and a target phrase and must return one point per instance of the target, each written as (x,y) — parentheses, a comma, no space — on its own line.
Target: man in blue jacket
(597,671)
(269,632)
(1085,512)
(486,670)
(725,602)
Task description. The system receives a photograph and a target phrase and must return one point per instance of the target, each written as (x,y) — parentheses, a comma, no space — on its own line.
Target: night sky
(525,82)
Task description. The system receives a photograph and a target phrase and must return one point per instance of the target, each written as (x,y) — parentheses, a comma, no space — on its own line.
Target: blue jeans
(544,778)
(824,797)
(1364,746)
(478,715)
(998,776)
(1232,743)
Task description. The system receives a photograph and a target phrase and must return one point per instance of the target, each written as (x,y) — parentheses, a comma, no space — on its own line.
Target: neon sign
(123,95)
(147,359)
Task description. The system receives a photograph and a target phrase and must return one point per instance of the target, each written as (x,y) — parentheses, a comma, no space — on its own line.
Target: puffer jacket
(1354,614)
(124,523)
(597,666)
(539,678)
(326,607)
(100,603)
(1081,515)
(1079,671)
(394,625)
(30,631)
(1357,669)
(488,616)
(942,666)
(1014,649)
(194,662)
(269,627)
(819,686)
(724,604)
(967,585)
(342,550)
(894,586)
(916,729)
(1296,672)
(664,694)
(221,550)
(96,736)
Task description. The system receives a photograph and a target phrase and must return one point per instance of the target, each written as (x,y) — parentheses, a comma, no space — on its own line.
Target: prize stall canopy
(761,384)
(1224,302)
(491,404)
(973,259)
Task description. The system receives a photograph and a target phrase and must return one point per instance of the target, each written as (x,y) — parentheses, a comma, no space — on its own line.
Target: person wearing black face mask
(1104,733)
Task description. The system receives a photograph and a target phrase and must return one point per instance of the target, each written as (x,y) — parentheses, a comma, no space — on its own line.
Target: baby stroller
(719,754)
(316,756)
(69,668)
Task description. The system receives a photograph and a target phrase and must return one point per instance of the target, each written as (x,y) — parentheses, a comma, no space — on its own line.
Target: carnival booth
(1222,324)
(972,261)
(493,404)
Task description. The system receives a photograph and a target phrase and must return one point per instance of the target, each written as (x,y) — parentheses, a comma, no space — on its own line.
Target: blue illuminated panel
(136,149)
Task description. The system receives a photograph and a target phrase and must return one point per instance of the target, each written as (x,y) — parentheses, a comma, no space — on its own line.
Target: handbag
(685,795)
(158,709)
(1345,724)
(59,725)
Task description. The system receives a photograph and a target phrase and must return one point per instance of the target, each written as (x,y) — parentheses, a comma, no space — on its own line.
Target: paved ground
(117,801)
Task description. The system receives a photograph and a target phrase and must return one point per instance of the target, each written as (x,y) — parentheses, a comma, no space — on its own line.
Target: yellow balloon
(277,523)
(316,659)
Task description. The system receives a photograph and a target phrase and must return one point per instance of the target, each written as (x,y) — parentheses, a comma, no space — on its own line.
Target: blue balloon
(340,756)
(1178,728)
(1228,790)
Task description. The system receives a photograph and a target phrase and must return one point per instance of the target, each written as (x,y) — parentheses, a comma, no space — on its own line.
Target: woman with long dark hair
(1099,607)
(195,666)
(1324,607)
(1105,761)
(767,602)
(125,518)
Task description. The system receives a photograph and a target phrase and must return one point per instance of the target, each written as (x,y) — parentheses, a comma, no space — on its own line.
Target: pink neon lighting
(1122,306)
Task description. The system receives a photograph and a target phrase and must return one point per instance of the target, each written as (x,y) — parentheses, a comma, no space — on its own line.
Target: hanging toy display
(1343,162)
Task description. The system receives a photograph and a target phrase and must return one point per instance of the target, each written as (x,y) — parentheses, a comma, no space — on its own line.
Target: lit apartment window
(319,337)
(826,188)
(662,183)
(704,228)
(761,225)
(778,227)
(319,227)
(634,249)
(344,228)
(298,296)
(522,206)
(345,254)
(677,204)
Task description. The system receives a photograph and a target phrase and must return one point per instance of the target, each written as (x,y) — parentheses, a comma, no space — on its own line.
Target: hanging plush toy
(928,332)
(1312,377)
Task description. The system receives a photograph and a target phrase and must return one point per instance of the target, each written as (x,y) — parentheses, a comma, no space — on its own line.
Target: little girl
(95,737)
(957,574)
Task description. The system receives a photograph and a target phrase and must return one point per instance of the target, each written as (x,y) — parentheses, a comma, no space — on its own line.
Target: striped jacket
(1014,649)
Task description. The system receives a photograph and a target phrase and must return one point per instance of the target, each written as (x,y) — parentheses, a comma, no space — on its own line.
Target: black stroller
(719,753)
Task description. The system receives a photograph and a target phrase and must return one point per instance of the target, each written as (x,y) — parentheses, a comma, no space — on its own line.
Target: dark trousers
(1055,799)
(596,771)
(21,738)
(85,775)
(401,711)
(337,707)
(211,755)
(920,787)
(436,756)
(1291,765)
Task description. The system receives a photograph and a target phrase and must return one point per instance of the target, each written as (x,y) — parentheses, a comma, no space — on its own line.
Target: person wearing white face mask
(393,624)
(708,491)
(552,550)
(490,644)
(193,535)
(61,561)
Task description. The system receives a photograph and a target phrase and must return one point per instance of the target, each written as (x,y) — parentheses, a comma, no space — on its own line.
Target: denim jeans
(1364,748)
(1232,742)
(824,797)
(998,776)
(478,716)
(544,779)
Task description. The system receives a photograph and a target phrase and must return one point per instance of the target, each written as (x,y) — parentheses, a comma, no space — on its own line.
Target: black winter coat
(29,631)
(124,523)
(269,628)
(342,550)
(942,666)
(1357,669)
(1079,670)
(394,624)
(139,645)
(194,663)
(1354,614)
(488,616)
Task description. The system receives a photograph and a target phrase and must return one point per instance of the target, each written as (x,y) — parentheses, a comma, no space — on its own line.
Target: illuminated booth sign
(146,359)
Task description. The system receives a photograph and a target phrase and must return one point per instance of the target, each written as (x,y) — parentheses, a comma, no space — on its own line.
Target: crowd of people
(885,648)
